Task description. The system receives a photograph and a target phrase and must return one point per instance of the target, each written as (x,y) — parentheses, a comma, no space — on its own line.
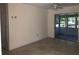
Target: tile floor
(48,46)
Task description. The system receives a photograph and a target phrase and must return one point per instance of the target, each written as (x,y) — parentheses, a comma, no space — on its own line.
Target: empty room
(39,28)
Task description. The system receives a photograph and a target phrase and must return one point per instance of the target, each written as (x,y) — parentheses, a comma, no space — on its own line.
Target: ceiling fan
(56,6)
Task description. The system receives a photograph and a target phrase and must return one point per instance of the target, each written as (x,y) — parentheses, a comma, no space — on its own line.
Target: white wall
(51,14)
(29,26)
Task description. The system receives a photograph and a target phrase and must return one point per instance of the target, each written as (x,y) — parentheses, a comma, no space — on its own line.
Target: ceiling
(50,5)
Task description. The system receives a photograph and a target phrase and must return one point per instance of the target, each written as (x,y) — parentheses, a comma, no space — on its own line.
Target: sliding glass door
(66,27)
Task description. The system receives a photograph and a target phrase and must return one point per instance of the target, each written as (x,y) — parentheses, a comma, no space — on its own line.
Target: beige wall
(51,23)
(51,14)
(29,26)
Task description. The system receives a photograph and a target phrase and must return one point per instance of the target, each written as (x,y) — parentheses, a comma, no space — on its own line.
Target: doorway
(66,26)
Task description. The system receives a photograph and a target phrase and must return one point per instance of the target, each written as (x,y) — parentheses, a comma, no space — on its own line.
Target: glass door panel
(78,22)
(71,22)
(63,23)
(72,28)
(57,22)
(57,25)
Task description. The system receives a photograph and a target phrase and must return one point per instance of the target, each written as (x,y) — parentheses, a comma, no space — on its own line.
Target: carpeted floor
(48,46)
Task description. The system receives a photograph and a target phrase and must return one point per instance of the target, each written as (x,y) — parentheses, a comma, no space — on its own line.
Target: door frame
(4,28)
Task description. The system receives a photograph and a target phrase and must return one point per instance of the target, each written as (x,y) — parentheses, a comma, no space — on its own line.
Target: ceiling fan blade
(56,6)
